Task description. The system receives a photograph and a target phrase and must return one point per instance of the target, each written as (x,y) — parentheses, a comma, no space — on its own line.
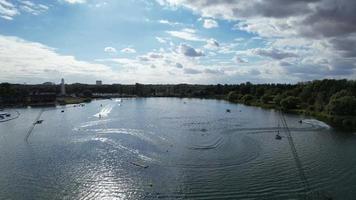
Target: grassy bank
(72,100)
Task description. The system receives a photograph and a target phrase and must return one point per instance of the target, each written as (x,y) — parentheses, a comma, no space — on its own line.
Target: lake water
(169,148)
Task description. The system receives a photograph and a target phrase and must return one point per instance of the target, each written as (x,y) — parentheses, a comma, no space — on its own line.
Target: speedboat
(39,122)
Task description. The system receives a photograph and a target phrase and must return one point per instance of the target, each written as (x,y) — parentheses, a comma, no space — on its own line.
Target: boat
(39,122)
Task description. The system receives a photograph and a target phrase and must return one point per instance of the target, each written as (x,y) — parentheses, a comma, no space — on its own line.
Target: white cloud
(212,44)
(179,66)
(75,1)
(8,10)
(214,71)
(32,8)
(162,21)
(155,55)
(110,50)
(292,31)
(24,61)
(128,50)
(189,51)
(240,60)
(210,23)
(186,34)
(273,53)
(191,71)
(161,40)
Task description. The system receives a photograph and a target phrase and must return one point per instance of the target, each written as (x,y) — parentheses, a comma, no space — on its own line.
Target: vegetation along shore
(333,101)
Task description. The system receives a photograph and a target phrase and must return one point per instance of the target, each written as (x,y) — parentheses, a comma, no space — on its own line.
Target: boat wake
(9,116)
(316,123)
(104,112)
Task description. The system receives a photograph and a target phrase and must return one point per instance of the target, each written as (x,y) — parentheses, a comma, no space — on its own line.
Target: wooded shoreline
(332,101)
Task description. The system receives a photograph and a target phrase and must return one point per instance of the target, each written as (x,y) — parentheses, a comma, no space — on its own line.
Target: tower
(63,88)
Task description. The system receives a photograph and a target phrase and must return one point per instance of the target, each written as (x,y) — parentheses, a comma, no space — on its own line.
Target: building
(63,88)
(99,82)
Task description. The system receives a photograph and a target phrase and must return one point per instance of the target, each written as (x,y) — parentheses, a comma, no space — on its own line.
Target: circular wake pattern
(10,115)
(210,145)
(136,144)
(217,152)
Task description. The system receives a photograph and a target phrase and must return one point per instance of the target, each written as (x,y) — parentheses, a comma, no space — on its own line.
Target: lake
(170,148)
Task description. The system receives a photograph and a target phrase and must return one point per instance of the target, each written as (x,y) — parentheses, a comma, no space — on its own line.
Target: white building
(63,88)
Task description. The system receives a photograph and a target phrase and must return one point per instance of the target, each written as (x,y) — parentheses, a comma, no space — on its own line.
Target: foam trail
(317,123)
(104,112)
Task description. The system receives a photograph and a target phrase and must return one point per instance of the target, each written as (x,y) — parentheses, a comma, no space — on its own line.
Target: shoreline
(334,121)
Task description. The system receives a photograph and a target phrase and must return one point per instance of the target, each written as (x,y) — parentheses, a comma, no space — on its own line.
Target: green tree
(344,105)
(233,96)
(247,99)
(266,98)
(277,99)
(87,93)
(290,102)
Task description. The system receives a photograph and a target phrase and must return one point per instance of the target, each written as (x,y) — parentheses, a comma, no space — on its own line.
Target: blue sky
(175,41)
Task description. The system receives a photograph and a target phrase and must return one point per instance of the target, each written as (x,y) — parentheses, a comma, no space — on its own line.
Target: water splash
(316,123)
(104,112)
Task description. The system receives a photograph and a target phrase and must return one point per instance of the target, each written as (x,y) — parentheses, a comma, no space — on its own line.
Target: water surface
(168,148)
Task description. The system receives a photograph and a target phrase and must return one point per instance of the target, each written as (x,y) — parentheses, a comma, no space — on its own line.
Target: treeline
(14,92)
(330,100)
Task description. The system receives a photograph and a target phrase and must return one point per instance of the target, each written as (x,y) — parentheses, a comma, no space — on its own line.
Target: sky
(177,41)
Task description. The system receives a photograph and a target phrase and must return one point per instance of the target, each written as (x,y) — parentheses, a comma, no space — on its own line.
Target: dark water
(193,149)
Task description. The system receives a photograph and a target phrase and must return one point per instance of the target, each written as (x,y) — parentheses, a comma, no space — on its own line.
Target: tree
(266,98)
(277,99)
(290,102)
(87,93)
(247,99)
(233,96)
(344,105)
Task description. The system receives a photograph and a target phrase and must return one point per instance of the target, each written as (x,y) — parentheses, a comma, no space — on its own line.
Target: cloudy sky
(177,41)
